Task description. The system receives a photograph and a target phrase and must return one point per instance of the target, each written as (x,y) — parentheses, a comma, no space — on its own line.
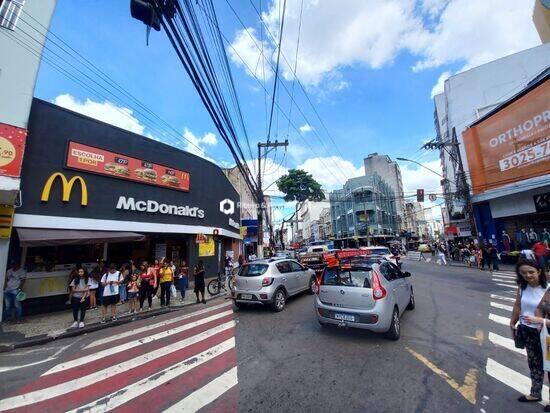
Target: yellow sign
(6,220)
(208,248)
(67,186)
(7,151)
(243,231)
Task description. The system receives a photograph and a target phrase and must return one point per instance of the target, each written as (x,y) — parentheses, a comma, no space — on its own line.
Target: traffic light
(419,195)
(144,11)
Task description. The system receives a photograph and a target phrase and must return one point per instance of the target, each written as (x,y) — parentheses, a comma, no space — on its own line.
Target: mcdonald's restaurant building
(92,191)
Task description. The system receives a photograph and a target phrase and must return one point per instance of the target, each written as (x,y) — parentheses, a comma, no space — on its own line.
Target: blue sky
(368,66)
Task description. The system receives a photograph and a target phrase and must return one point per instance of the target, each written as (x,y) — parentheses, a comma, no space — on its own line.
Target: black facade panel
(52,127)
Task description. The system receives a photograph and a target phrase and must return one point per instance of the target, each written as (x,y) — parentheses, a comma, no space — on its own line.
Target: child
(133,293)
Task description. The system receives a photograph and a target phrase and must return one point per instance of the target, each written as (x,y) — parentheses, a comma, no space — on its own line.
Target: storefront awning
(31,237)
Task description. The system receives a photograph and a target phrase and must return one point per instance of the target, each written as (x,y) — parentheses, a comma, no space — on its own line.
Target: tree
(298,186)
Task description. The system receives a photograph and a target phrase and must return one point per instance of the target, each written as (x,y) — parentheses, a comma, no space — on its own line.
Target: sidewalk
(39,329)
(429,258)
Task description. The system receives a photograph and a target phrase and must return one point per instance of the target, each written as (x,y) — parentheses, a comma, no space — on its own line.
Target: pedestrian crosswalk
(509,366)
(184,363)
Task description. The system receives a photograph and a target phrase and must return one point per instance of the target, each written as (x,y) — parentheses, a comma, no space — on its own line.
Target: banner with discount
(12,146)
(99,161)
(513,144)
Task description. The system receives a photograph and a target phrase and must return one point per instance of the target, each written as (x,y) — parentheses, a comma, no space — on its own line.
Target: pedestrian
(442,259)
(183,279)
(111,281)
(541,252)
(492,252)
(485,257)
(228,265)
(532,287)
(147,284)
(198,273)
(133,293)
(94,278)
(528,254)
(80,292)
(166,278)
(155,270)
(15,279)
(240,260)
(125,273)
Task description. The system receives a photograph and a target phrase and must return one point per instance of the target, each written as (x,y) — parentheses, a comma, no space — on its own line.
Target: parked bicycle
(222,282)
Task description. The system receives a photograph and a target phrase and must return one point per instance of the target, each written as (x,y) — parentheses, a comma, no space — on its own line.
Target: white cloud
(338,34)
(271,171)
(439,87)
(331,171)
(106,111)
(195,145)
(305,128)
(248,52)
(415,177)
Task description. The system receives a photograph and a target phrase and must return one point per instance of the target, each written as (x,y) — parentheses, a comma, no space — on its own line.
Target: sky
(370,69)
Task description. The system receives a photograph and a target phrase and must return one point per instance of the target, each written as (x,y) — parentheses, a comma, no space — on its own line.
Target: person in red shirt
(541,252)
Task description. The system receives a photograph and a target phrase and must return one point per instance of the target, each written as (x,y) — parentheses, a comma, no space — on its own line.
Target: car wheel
(312,286)
(395,329)
(239,305)
(412,303)
(279,301)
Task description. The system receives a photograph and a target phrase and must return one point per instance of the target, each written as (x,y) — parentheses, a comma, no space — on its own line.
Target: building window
(9,13)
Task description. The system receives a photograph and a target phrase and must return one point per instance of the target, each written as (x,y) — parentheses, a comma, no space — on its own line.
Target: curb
(38,340)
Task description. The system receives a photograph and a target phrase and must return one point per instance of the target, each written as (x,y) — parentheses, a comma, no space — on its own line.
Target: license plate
(246,297)
(344,317)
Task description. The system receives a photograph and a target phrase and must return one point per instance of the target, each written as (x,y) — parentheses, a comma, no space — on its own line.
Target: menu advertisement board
(511,145)
(12,146)
(99,161)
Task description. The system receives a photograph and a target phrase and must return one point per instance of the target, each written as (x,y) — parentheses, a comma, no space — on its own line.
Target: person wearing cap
(15,279)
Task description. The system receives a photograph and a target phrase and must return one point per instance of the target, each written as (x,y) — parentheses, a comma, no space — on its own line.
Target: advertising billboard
(87,158)
(12,146)
(512,144)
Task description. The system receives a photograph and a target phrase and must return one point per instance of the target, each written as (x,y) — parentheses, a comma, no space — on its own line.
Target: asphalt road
(451,357)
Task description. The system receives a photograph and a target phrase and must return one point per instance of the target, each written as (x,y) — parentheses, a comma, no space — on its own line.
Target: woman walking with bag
(532,288)
(166,278)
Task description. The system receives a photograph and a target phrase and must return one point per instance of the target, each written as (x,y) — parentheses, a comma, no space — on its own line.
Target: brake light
(267,281)
(318,283)
(378,291)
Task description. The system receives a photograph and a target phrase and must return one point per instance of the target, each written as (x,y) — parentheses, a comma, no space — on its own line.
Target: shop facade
(91,191)
(508,152)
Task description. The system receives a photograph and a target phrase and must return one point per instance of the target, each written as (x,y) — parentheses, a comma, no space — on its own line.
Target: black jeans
(145,291)
(165,293)
(79,306)
(534,359)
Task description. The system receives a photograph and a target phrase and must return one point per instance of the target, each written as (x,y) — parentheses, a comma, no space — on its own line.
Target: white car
(384,252)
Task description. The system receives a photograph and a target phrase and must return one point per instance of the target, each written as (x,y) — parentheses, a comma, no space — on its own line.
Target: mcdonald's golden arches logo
(67,186)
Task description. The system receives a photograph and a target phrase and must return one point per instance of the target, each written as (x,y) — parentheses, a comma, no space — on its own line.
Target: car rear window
(253,270)
(347,278)
(380,251)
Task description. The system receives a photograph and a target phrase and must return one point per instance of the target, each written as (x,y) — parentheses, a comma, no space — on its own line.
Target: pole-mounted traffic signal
(144,11)
(419,195)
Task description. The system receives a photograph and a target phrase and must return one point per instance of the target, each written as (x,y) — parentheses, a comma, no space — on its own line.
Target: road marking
(508,273)
(500,297)
(502,306)
(479,337)
(134,343)
(153,326)
(512,378)
(95,377)
(121,396)
(499,319)
(206,394)
(505,342)
(508,276)
(504,280)
(467,390)
(513,287)
(52,357)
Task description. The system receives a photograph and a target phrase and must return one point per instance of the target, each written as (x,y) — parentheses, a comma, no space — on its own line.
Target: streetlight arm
(419,164)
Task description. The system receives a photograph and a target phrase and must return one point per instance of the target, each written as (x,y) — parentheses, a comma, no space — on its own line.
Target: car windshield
(347,278)
(253,270)
(380,251)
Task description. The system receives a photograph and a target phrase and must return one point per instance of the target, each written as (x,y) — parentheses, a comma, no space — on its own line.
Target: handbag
(173,291)
(545,344)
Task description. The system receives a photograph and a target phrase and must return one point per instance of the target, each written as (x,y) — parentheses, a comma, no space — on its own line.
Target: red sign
(12,146)
(95,160)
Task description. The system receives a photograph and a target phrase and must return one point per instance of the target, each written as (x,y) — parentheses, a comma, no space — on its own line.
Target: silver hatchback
(369,294)
(271,282)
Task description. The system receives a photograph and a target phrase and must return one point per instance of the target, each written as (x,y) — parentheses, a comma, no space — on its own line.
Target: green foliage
(298,186)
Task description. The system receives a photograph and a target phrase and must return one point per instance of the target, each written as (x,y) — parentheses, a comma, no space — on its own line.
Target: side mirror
(406,274)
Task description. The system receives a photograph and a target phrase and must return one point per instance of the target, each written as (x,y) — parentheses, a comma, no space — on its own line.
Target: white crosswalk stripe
(499,319)
(504,280)
(511,286)
(500,297)
(502,306)
(507,343)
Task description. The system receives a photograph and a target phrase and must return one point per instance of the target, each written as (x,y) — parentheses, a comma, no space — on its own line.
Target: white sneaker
(75,324)
(81,325)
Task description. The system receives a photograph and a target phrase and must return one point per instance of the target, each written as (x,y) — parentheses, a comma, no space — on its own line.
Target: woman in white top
(532,286)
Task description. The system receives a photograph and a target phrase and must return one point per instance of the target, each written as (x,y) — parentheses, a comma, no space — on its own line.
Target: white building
(310,213)
(468,96)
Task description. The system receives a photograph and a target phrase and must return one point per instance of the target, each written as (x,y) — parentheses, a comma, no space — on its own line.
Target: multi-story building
(310,213)
(325,224)
(414,219)
(385,167)
(363,211)
(541,19)
(467,97)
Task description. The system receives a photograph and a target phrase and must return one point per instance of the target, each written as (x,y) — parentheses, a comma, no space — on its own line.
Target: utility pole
(260,195)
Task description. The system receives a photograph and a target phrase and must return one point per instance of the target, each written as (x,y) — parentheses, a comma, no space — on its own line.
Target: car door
(287,278)
(301,275)
(394,283)
(403,288)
